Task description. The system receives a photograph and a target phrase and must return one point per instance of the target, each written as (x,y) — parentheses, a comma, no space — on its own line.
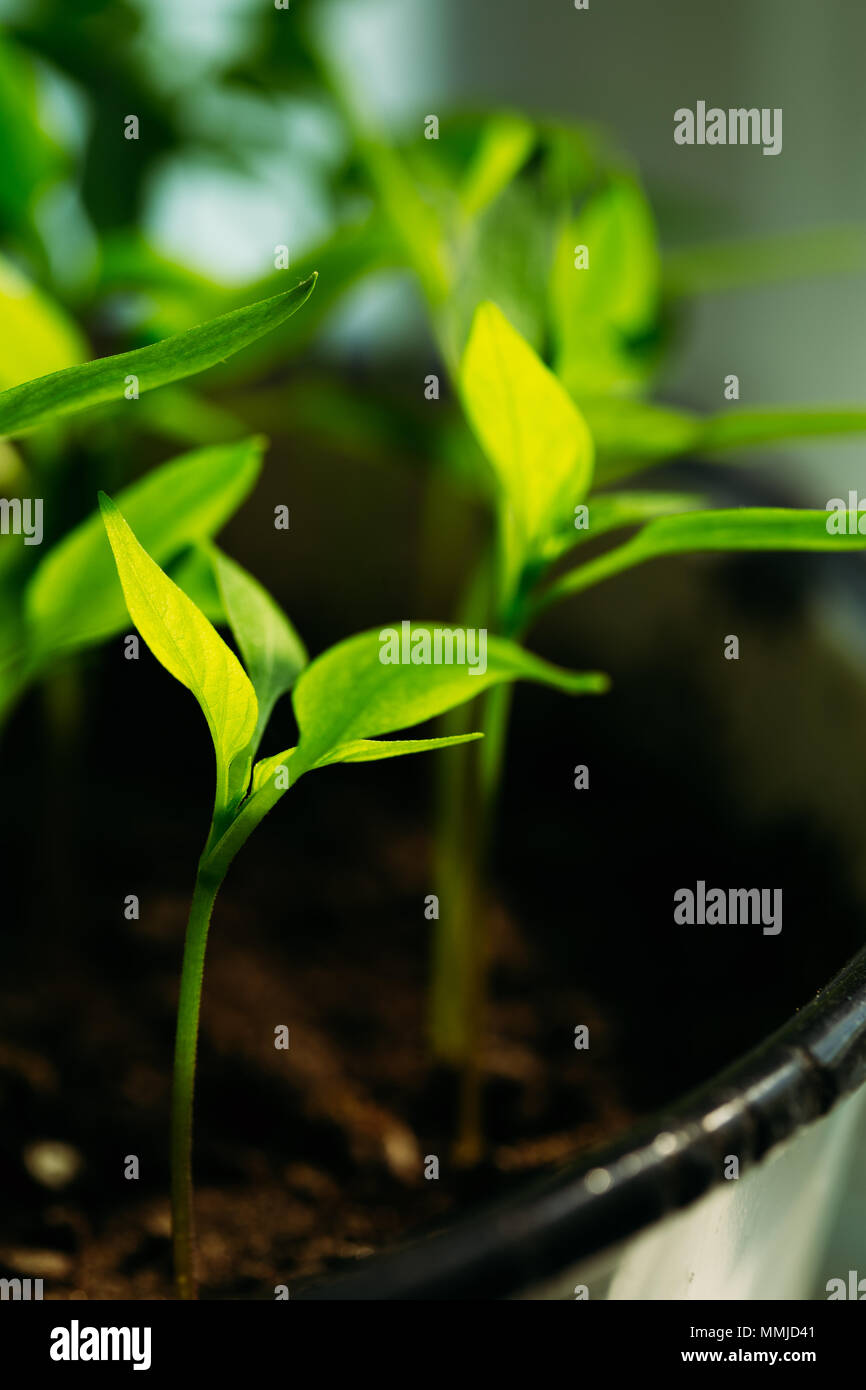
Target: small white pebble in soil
(52,1163)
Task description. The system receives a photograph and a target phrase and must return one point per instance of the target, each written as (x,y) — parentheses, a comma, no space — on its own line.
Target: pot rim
(662,1165)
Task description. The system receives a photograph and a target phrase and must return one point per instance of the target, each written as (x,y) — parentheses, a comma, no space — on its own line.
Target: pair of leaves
(342,701)
(26,407)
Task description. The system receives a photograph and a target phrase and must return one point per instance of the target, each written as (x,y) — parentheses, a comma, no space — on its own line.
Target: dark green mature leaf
(271,648)
(25,407)
(185,643)
(74,598)
(745,528)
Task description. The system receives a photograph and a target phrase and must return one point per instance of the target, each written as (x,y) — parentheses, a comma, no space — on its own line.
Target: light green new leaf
(614,511)
(182,639)
(25,407)
(745,528)
(601,310)
(349,693)
(271,648)
(371,750)
(505,143)
(74,599)
(35,334)
(530,430)
(347,696)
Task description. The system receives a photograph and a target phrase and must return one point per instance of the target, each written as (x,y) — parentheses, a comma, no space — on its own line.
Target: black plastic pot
(507,1250)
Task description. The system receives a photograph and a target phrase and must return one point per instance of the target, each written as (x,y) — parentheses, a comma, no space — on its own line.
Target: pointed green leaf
(74,598)
(371,750)
(271,648)
(531,431)
(25,407)
(745,528)
(349,693)
(615,510)
(182,639)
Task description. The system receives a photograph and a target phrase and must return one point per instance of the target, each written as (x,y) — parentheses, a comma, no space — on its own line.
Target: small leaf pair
(342,702)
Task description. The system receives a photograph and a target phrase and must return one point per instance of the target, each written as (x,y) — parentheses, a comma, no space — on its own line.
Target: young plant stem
(183,1222)
(459,971)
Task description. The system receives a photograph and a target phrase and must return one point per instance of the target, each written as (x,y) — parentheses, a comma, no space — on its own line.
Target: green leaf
(192,571)
(633,435)
(745,528)
(185,643)
(74,599)
(505,143)
(37,336)
(349,693)
(530,430)
(741,429)
(730,265)
(271,648)
(600,312)
(614,511)
(371,750)
(61,393)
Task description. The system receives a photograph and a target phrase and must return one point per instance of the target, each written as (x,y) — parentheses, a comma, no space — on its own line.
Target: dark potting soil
(310,1158)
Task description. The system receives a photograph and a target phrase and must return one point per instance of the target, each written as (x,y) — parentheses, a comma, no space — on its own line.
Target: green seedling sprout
(344,702)
(541,453)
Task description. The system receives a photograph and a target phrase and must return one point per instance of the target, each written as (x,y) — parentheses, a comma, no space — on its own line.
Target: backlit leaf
(25,407)
(182,639)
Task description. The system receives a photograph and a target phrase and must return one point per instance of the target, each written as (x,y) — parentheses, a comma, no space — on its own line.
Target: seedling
(541,452)
(343,702)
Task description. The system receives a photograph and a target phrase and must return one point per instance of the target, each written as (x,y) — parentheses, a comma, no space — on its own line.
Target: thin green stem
(183,1223)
